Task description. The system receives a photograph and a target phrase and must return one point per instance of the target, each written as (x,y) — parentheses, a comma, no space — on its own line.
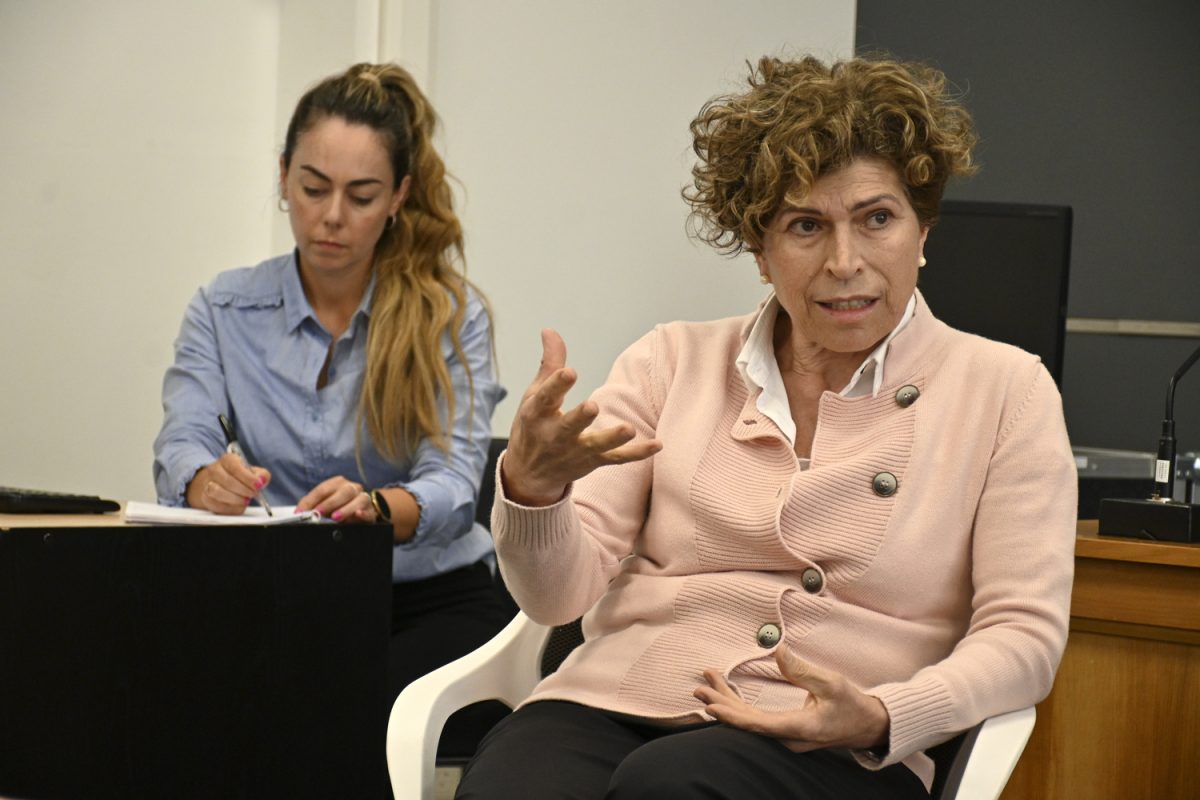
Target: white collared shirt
(759,369)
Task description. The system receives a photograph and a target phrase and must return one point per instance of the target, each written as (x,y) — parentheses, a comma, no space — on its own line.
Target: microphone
(1161,517)
(1164,465)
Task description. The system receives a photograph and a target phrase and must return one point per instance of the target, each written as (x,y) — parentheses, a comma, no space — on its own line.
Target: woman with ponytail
(357,370)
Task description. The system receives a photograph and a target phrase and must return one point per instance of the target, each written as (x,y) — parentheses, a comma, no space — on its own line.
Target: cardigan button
(907,395)
(769,635)
(811,580)
(885,484)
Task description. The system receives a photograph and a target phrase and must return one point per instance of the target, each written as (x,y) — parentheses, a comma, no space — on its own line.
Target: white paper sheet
(255,515)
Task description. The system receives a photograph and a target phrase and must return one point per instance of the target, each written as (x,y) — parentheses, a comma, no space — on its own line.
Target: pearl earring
(763,279)
(921,261)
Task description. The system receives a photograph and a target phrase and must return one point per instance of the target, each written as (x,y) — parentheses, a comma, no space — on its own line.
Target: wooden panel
(1089,544)
(1123,720)
(1148,594)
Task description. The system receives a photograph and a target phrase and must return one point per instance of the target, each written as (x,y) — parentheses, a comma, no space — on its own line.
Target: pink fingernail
(261,482)
(247,501)
(337,516)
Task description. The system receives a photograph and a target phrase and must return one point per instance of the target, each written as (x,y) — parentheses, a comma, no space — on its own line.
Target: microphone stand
(1164,465)
(1161,518)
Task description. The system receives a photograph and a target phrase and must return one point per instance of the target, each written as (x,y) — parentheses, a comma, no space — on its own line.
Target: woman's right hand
(226,486)
(548,449)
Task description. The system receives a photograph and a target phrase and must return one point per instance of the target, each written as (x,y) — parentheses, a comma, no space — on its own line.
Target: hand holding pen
(227,485)
(236,449)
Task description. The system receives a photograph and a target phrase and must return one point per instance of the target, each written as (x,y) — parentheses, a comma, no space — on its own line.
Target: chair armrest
(505,669)
(995,753)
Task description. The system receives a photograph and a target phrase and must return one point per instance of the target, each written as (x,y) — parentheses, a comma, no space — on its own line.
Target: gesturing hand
(835,714)
(548,449)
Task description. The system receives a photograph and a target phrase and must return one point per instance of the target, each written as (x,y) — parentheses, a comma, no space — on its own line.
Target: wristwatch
(380,504)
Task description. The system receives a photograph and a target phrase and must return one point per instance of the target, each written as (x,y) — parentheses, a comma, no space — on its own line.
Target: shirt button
(907,395)
(768,635)
(811,580)
(884,484)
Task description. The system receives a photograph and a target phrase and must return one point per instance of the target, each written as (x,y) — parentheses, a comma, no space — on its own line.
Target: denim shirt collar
(296,307)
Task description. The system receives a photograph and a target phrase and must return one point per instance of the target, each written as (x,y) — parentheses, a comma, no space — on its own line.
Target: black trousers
(553,750)
(439,619)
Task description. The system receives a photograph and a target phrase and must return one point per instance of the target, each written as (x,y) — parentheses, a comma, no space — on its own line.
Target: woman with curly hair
(358,369)
(829,534)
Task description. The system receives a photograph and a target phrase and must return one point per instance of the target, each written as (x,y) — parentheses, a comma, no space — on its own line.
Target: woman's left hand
(835,714)
(339,499)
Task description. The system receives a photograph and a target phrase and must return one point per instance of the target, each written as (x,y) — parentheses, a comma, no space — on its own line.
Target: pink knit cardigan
(948,599)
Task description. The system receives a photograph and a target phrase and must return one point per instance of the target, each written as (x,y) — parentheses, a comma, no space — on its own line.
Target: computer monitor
(1000,270)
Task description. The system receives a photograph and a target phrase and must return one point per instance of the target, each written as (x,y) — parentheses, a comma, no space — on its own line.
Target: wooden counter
(110,520)
(1123,720)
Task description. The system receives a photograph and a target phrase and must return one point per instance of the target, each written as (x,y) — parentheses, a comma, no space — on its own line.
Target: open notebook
(255,515)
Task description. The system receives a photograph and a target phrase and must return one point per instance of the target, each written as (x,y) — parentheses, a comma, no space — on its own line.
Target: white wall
(138,152)
(139,149)
(567,123)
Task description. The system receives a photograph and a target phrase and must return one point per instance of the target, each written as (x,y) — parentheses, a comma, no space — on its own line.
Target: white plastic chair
(505,669)
(985,758)
(510,665)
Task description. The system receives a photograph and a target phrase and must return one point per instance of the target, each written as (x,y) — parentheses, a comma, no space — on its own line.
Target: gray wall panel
(1096,106)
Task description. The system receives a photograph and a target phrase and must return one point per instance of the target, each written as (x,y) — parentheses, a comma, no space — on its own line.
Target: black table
(208,662)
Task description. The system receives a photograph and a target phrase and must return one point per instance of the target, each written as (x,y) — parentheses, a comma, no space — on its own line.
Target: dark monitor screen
(1000,270)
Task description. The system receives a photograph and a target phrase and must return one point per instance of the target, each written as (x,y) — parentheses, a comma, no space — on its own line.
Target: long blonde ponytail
(420,291)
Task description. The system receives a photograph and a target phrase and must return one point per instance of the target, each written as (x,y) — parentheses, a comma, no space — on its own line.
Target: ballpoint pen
(236,449)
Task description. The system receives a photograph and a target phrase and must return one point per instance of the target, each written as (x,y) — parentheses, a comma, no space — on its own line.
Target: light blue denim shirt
(250,347)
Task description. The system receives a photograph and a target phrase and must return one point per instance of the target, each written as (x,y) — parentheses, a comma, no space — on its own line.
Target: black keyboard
(40,501)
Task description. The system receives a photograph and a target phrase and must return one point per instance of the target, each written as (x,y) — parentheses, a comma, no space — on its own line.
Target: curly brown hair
(803,119)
